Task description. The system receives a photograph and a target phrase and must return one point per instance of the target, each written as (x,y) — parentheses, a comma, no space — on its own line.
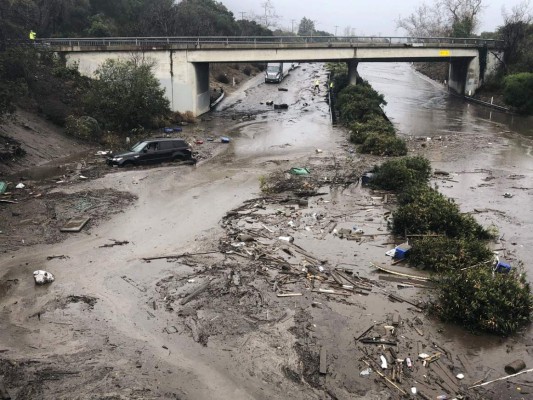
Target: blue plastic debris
(367,178)
(224,139)
(502,267)
(401,251)
(168,130)
(177,129)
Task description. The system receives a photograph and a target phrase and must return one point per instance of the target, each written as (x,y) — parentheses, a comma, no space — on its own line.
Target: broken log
(403,392)
(179,255)
(323,361)
(364,333)
(195,293)
(502,378)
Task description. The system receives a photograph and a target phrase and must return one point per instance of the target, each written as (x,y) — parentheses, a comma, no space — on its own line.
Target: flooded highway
(131,343)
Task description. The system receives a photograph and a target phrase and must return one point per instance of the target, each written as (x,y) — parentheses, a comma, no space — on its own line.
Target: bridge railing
(382,41)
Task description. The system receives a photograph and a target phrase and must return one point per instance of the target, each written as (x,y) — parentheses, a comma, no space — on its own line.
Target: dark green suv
(154,151)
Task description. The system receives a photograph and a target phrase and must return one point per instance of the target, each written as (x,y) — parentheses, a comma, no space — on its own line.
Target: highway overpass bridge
(182,63)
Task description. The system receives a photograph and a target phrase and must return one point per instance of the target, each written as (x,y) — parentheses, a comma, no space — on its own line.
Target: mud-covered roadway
(116,326)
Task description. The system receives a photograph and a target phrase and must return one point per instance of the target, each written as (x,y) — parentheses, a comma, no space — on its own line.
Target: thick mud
(168,299)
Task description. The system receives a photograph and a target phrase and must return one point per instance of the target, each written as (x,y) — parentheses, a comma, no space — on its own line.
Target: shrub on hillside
(85,128)
(441,254)
(518,92)
(222,78)
(428,211)
(482,301)
(384,145)
(247,70)
(402,173)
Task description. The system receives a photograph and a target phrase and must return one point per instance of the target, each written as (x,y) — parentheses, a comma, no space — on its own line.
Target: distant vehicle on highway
(275,72)
(153,151)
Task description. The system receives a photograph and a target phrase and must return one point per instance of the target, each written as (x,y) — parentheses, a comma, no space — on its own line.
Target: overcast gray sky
(367,17)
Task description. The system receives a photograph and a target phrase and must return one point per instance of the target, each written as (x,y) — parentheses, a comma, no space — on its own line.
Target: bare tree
(268,17)
(425,21)
(443,18)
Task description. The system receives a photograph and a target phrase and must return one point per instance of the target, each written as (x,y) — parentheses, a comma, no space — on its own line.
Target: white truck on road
(275,72)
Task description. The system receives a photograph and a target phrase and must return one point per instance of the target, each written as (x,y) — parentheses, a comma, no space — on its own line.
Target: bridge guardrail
(270,40)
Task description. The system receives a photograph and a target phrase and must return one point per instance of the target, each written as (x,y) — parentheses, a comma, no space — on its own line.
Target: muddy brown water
(179,209)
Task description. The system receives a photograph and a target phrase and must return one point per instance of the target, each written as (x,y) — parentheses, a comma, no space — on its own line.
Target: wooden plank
(323,361)
(75,224)
(289,294)
(390,271)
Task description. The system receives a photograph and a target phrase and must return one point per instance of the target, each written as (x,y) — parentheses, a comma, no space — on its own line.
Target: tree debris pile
(322,171)
(35,215)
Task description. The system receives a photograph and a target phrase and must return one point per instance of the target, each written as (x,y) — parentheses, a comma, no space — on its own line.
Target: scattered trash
(269,103)
(42,277)
(199,142)
(191,280)
(283,89)
(383,362)
(281,106)
(460,376)
(515,366)
(83,177)
(365,372)
(318,151)
(508,195)
(103,152)
(3,187)
(224,139)
(20,186)
(390,252)
(413,390)
(289,239)
(299,171)
(423,356)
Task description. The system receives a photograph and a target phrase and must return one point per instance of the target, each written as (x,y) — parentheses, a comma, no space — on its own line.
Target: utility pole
(242,14)
(292,25)
(336,26)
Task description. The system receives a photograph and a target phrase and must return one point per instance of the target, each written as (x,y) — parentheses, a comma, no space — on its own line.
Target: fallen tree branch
(179,255)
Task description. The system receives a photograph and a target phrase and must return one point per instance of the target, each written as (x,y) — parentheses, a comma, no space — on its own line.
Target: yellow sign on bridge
(444,53)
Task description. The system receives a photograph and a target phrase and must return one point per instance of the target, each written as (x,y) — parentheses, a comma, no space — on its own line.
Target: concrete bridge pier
(352,72)
(186,83)
(466,75)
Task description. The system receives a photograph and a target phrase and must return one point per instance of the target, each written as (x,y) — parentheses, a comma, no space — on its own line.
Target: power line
(242,14)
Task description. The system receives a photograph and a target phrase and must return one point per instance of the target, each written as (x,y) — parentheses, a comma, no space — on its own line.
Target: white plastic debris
(318,151)
(83,177)
(365,372)
(460,376)
(289,239)
(383,362)
(413,390)
(20,186)
(507,195)
(391,252)
(41,277)
(423,356)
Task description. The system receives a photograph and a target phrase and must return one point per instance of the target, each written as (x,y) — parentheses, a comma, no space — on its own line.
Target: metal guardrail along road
(305,41)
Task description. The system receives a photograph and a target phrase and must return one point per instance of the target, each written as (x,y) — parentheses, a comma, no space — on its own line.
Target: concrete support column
(464,76)
(352,72)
